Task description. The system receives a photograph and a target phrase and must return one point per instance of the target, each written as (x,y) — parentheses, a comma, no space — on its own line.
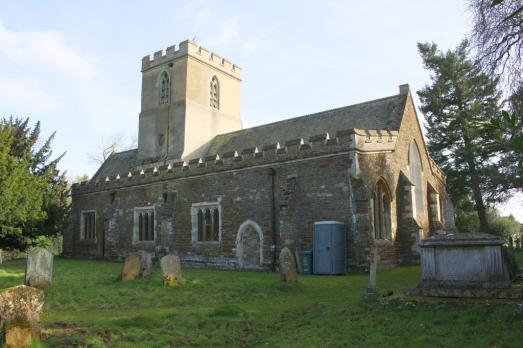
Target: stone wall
(302,197)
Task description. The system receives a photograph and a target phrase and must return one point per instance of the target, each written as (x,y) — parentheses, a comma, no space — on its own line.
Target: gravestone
(131,267)
(20,309)
(171,270)
(288,270)
(39,267)
(372,289)
(146,263)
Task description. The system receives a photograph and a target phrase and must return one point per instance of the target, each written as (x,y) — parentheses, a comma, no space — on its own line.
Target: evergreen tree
(457,103)
(34,195)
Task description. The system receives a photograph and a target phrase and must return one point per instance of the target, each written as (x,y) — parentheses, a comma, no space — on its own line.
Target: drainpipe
(272,173)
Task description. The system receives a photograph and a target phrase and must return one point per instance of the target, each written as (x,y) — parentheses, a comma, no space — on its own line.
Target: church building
(201,186)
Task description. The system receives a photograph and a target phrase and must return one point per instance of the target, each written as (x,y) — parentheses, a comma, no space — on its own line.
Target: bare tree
(497,36)
(108,145)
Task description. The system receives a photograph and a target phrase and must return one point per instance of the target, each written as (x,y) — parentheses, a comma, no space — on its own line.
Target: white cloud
(26,96)
(47,49)
(228,33)
(198,11)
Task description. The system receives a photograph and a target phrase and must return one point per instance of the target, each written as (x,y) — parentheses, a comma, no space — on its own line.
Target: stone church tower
(189,95)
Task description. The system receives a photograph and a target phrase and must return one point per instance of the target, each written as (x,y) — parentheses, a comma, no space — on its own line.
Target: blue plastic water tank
(329,247)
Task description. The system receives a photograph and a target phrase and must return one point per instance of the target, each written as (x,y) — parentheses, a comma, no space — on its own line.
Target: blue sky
(75,65)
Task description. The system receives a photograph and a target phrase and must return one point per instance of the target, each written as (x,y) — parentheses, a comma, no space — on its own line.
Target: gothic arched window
(416,175)
(165,91)
(215,93)
(381,200)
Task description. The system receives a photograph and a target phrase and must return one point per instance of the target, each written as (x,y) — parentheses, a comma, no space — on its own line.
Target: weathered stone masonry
(325,166)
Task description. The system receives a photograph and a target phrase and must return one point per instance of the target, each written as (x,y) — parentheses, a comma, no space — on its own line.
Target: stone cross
(171,270)
(39,267)
(20,309)
(288,269)
(374,257)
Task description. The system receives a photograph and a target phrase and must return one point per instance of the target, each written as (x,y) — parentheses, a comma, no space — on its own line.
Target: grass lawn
(87,306)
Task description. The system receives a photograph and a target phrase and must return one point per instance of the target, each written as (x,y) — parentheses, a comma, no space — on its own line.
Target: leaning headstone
(146,263)
(39,267)
(131,267)
(20,309)
(288,269)
(171,270)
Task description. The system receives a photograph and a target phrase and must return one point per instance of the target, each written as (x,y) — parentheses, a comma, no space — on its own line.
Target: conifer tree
(34,198)
(457,103)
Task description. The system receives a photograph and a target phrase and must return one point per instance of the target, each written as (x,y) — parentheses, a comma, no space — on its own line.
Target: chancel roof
(381,114)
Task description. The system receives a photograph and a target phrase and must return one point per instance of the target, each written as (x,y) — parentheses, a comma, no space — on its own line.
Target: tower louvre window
(215,93)
(165,92)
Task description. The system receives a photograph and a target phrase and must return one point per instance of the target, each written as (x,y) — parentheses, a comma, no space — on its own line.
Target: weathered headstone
(372,289)
(288,269)
(131,267)
(39,267)
(171,270)
(146,263)
(20,309)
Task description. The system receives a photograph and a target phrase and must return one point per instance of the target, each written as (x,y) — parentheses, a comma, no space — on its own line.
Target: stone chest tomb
(463,260)
(468,265)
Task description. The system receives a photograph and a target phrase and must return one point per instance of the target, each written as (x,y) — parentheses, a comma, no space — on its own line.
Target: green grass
(87,306)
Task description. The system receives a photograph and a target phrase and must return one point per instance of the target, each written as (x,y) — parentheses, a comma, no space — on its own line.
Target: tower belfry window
(215,93)
(165,92)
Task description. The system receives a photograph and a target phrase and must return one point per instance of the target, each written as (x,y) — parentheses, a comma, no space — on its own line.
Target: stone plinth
(463,260)
(463,265)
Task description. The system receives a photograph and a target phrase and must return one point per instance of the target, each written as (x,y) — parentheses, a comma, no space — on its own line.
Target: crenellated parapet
(190,48)
(375,140)
(437,171)
(295,149)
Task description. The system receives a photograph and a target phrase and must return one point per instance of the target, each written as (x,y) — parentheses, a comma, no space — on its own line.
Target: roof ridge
(122,152)
(312,115)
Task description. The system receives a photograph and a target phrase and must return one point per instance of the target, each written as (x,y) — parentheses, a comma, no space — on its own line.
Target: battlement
(437,171)
(190,48)
(301,148)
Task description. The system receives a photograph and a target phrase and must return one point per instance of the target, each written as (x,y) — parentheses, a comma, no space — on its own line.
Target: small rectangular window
(88,225)
(144,224)
(206,222)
